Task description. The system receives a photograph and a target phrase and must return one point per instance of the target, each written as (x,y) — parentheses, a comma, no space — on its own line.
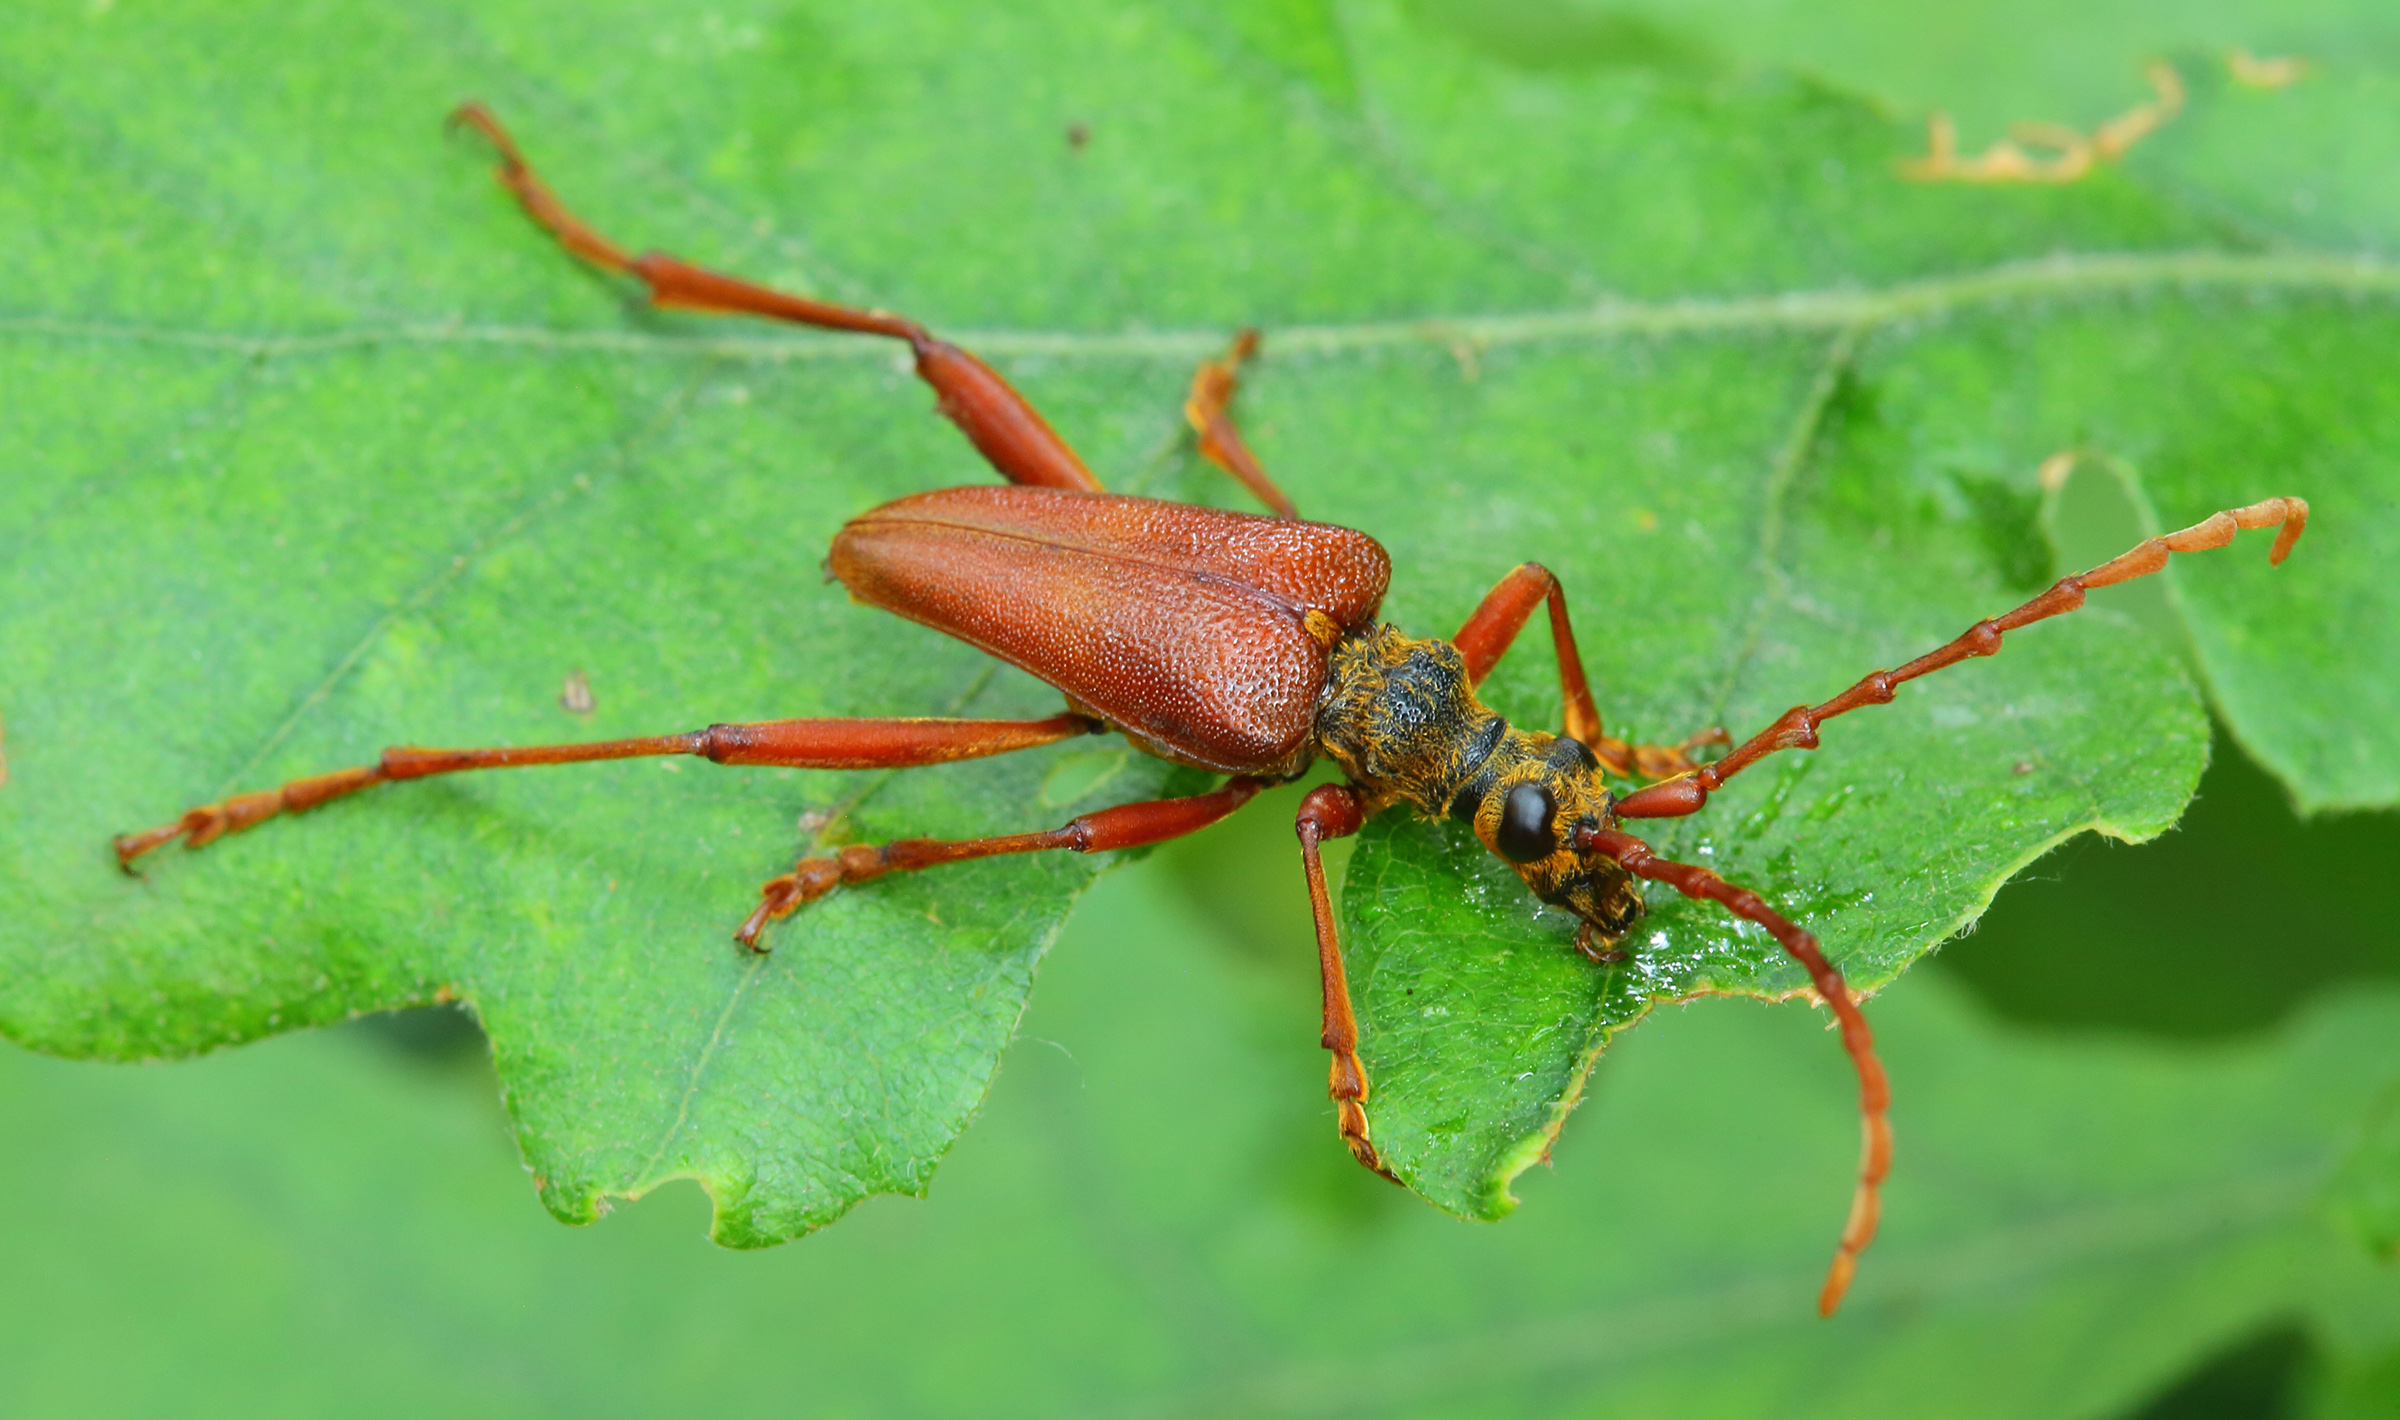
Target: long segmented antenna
(1874,1091)
(1796,728)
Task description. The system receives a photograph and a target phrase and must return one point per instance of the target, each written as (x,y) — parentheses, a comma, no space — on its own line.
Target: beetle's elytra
(1186,627)
(1240,644)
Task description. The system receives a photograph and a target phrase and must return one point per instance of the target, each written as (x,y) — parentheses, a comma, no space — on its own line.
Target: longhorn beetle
(1238,644)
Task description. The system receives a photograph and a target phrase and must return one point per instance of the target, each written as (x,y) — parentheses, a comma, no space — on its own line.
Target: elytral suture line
(2066,276)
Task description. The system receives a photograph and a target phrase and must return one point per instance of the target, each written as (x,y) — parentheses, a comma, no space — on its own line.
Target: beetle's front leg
(1493,628)
(1334,811)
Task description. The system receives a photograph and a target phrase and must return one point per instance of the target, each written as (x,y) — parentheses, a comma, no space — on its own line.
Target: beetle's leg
(1493,628)
(791,744)
(1796,728)
(1125,826)
(1210,410)
(1874,1092)
(1334,811)
(1000,422)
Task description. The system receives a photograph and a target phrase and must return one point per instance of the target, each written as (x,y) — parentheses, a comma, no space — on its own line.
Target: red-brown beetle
(1238,644)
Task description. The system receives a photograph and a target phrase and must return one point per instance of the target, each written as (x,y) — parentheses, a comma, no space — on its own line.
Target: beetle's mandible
(1243,645)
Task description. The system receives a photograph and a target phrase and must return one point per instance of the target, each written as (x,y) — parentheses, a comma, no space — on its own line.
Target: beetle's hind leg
(1000,422)
(790,744)
(1125,826)
(1210,410)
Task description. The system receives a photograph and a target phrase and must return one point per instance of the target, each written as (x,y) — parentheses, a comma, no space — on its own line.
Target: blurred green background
(2124,1133)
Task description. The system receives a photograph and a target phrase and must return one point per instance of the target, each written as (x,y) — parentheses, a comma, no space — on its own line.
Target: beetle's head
(1535,811)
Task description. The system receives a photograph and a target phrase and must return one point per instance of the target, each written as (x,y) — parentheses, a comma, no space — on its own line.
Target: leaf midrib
(1863,308)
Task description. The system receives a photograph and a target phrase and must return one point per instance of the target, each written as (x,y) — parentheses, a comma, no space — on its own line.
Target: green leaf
(1152,1218)
(315,446)
(2366,1190)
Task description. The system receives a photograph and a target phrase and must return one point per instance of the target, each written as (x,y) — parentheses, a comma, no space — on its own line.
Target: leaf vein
(2084,275)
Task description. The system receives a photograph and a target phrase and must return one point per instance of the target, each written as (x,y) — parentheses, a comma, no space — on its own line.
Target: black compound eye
(1525,817)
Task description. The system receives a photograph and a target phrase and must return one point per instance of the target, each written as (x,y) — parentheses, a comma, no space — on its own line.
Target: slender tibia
(1796,728)
(790,744)
(1125,826)
(1874,1092)
(1334,811)
(1210,410)
(1493,628)
(1000,422)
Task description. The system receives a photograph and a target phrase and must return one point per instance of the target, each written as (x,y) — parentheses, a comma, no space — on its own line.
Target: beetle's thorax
(1402,720)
